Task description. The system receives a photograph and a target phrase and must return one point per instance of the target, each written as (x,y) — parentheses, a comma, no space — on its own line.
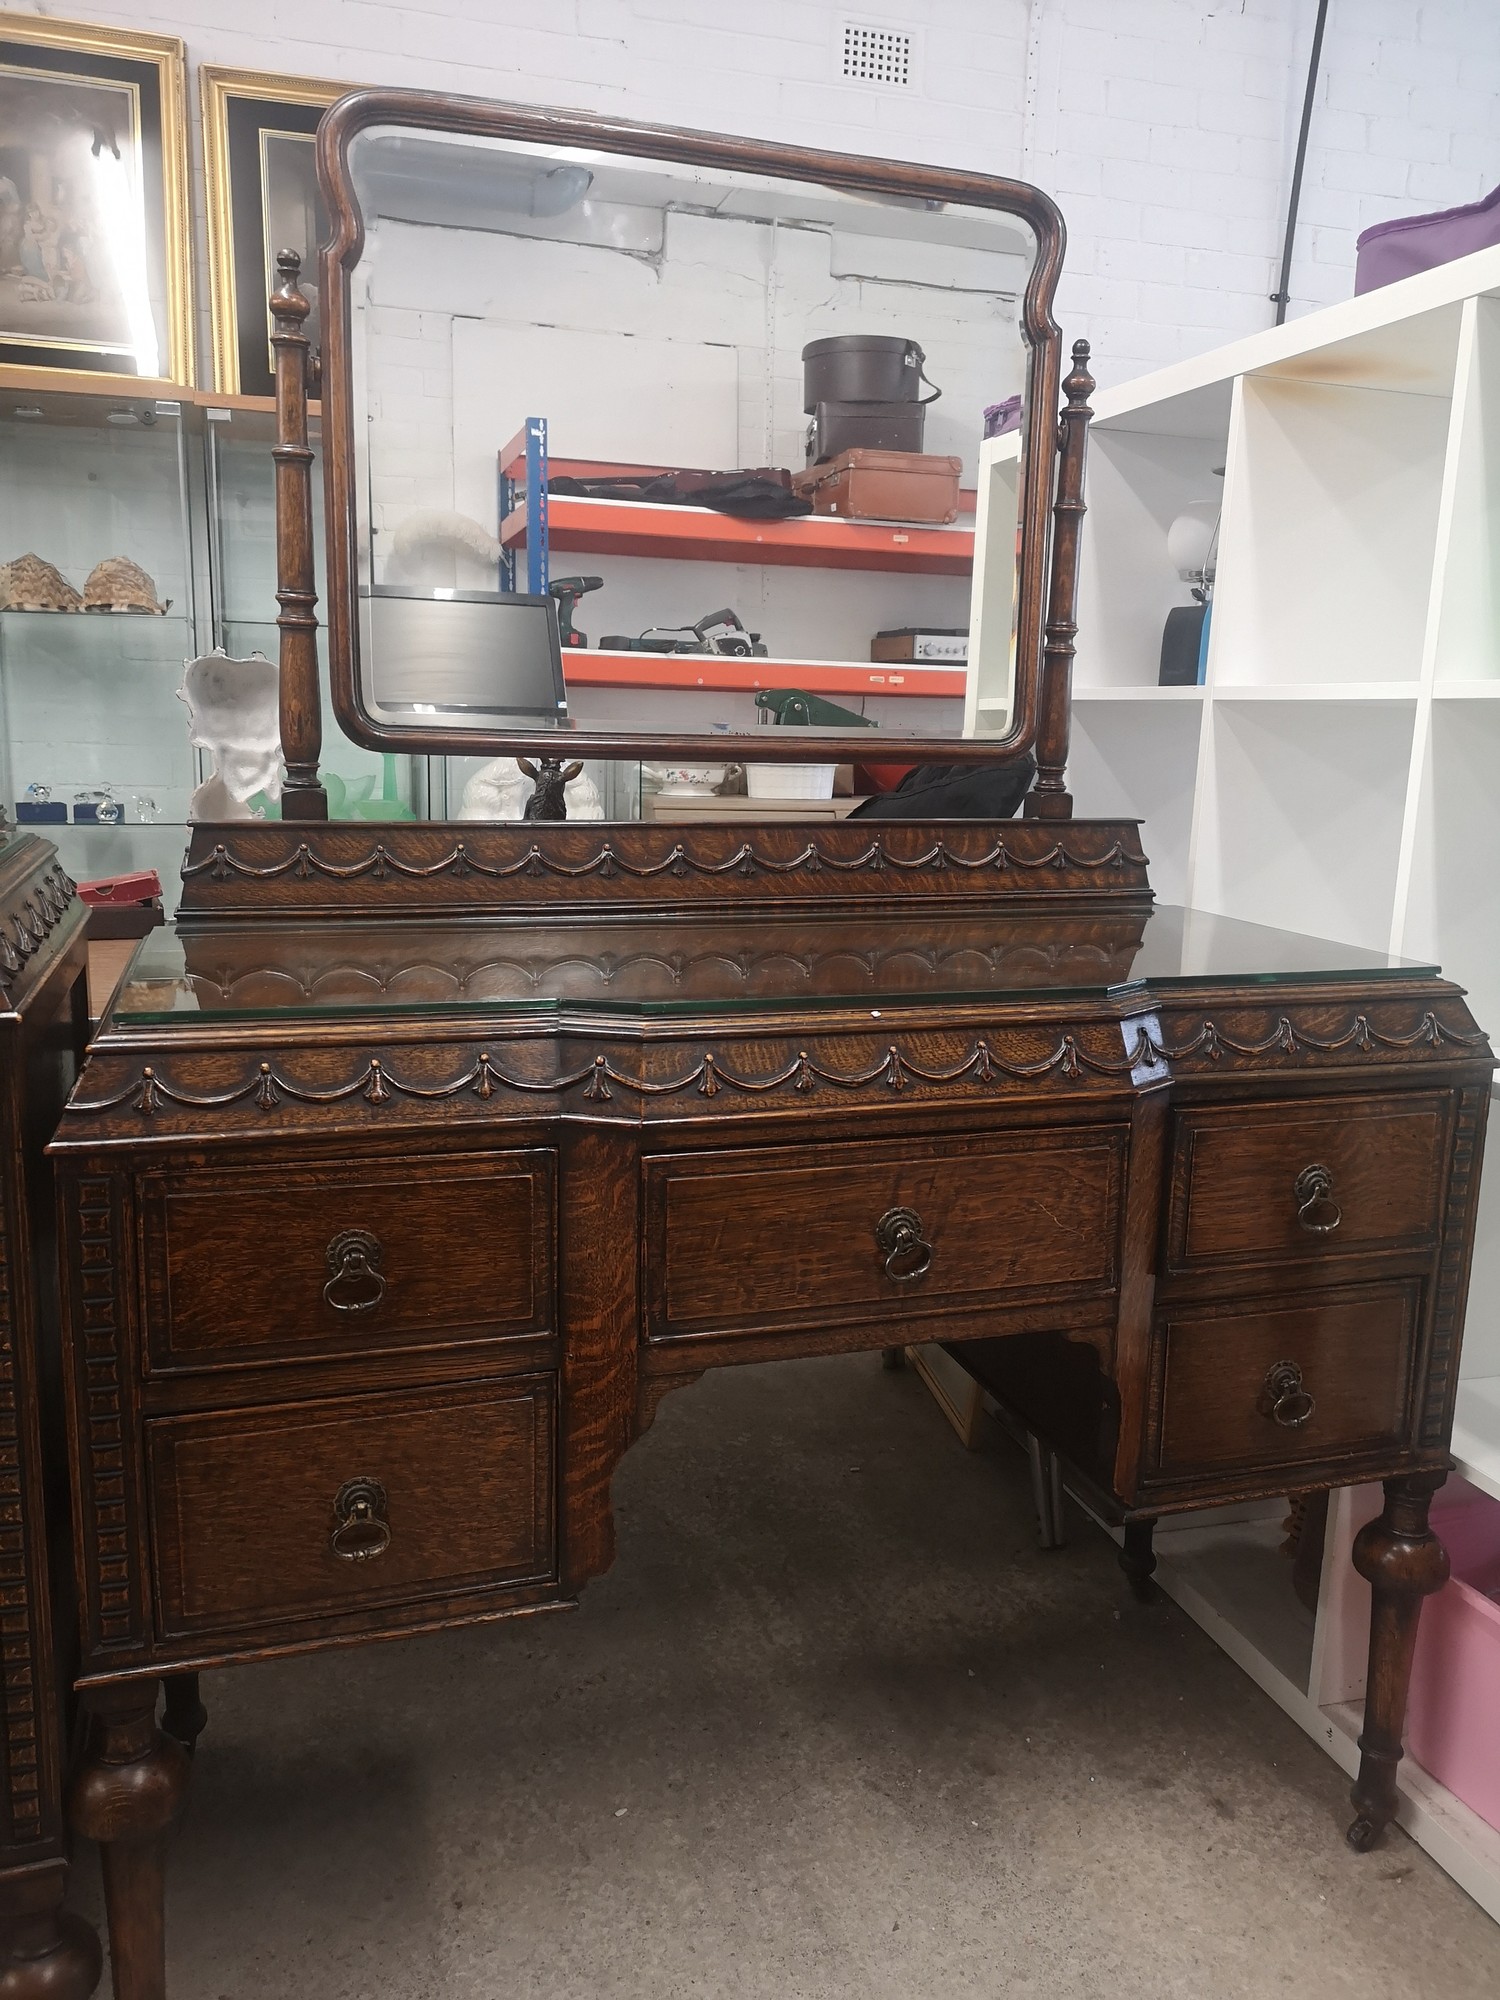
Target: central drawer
(341,1259)
(260,1517)
(813,1236)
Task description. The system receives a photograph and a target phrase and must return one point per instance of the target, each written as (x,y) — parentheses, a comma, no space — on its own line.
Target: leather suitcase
(883,486)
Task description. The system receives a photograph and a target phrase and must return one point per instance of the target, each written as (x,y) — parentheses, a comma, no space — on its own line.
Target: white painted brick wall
(1407,120)
(1164,127)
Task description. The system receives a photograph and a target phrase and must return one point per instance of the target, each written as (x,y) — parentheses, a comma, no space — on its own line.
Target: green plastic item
(347,799)
(382,809)
(792,707)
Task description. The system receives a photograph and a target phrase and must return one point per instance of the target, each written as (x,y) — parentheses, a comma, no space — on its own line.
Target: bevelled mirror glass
(544,333)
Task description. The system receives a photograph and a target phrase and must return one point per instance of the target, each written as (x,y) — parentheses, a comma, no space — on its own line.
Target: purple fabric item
(1002,417)
(1412,243)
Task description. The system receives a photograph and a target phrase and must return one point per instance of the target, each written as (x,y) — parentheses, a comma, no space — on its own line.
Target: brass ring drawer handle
(357,1284)
(907,1252)
(1317,1211)
(1283,1399)
(361,1531)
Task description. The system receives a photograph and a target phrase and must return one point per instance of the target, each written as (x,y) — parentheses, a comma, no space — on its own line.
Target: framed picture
(95,229)
(263,197)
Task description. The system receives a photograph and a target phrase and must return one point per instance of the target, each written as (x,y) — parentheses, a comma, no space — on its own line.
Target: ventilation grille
(880,56)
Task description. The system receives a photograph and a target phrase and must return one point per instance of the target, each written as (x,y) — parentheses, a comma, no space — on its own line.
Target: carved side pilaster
(1453,1266)
(31,909)
(22,1658)
(99,1329)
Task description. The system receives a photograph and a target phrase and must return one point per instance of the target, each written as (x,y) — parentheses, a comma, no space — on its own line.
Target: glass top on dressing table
(661,966)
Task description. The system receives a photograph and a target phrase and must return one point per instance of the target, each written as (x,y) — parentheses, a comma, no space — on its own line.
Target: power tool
(720,632)
(566,591)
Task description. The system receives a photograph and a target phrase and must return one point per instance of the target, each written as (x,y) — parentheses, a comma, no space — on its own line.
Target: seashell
(29,584)
(118,584)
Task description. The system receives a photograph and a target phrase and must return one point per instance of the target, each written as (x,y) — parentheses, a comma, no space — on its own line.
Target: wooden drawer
(1243,1186)
(244,1504)
(1265,1383)
(262,1266)
(745,1242)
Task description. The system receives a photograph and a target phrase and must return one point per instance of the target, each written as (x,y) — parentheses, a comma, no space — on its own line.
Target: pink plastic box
(1453,1716)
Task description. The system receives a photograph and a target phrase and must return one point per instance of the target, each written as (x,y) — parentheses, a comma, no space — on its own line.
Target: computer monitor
(469,659)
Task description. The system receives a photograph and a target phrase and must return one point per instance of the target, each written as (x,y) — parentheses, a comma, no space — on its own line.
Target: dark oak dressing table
(419,1162)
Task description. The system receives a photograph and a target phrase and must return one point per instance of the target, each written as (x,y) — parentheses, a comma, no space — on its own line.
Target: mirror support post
(1048,797)
(303,797)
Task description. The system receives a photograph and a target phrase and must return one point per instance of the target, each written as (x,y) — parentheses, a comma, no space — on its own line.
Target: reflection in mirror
(602,414)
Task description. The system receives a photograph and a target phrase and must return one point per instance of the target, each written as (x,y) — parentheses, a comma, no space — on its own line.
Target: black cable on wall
(1281,297)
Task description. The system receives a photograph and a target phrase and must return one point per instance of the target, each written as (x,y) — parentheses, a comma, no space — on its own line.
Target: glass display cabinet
(135,534)
(101,603)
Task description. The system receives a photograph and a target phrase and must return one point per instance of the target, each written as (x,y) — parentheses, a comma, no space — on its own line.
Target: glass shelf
(88,699)
(88,478)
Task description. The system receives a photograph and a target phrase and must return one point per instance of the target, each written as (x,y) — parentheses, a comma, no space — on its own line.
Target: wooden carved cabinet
(385,1238)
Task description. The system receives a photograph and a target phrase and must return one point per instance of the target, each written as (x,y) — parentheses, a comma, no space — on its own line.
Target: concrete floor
(833,1726)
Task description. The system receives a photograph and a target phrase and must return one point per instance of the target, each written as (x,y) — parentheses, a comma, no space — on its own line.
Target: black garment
(752,496)
(954,791)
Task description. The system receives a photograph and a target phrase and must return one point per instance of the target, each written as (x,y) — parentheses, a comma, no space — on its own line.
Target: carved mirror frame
(477,117)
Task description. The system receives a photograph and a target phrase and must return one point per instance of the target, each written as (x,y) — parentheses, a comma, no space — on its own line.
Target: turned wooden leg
(183,1714)
(893,1357)
(1403,1561)
(46,1953)
(1138,1558)
(125,1794)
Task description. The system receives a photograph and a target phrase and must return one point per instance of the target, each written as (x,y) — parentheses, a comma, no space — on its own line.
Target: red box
(123,906)
(142,887)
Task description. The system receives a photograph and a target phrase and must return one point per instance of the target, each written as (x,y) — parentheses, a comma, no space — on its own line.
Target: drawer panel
(1243,1186)
(246,1507)
(777,1238)
(1266,1384)
(266,1265)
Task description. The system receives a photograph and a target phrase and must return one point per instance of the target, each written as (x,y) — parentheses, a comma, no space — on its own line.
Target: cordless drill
(566,592)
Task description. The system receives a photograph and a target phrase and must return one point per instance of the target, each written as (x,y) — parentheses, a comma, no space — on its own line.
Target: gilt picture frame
(96,268)
(260,176)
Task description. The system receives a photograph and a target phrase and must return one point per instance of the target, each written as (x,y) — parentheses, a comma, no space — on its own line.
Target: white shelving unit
(1337,772)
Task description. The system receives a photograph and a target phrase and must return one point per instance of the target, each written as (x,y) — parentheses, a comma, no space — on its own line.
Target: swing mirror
(543,332)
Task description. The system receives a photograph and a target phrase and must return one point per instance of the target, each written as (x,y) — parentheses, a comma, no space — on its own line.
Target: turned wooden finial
(1080,384)
(1048,797)
(303,797)
(288,301)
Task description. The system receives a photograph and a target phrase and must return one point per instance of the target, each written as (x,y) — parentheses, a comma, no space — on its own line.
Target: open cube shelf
(1335,773)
